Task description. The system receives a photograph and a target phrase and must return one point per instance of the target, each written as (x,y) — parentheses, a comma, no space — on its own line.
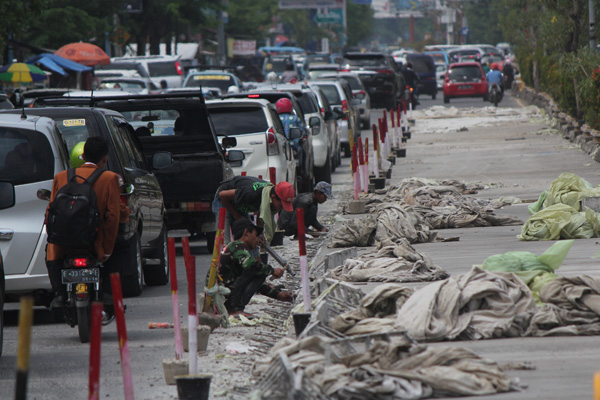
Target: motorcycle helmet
(75,157)
(494,66)
(284,106)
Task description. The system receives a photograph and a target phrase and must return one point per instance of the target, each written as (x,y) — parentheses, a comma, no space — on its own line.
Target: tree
(250,19)
(360,22)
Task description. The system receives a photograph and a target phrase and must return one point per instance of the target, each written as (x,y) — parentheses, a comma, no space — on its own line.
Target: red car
(465,79)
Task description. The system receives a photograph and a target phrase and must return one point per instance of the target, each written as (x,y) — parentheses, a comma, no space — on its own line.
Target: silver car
(361,96)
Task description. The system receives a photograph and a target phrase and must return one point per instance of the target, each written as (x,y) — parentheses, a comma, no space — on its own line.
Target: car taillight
(360,95)
(345,109)
(178,68)
(384,71)
(272,143)
(79,262)
(343,70)
(254,96)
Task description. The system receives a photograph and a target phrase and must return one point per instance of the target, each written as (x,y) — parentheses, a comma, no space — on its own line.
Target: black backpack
(73,216)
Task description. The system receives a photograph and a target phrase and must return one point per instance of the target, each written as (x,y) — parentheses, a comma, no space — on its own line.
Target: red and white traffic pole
(375,151)
(404,116)
(399,125)
(95,344)
(115,281)
(303,260)
(367,158)
(175,299)
(363,168)
(355,173)
(190,266)
(393,131)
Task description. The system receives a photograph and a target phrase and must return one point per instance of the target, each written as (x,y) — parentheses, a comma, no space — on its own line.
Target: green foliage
(360,22)
(483,22)
(250,19)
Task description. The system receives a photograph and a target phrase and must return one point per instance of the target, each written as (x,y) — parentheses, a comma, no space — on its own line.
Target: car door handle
(6,234)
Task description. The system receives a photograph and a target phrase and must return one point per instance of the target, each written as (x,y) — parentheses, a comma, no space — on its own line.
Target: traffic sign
(121,36)
(464,31)
(329,18)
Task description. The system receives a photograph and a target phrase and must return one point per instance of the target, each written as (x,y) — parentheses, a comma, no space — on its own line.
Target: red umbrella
(84,53)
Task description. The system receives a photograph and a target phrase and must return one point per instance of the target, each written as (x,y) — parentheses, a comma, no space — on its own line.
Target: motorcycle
(81,275)
(495,94)
(410,96)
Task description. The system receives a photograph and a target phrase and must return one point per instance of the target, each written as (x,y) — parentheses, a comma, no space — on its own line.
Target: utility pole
(592,25)
(221,56)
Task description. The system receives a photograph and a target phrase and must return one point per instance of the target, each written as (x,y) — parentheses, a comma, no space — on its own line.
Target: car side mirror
(43,194)
(127,189)
(228,142)
(328,115)
(235,155)
(7,194)
(162,159)
(295,133)
(339,113)
(314,121)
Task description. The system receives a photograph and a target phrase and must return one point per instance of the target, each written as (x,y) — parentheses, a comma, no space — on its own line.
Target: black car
(7,200)
(424,66)
(380,74)
(305,173)
(180,147)
(141,244)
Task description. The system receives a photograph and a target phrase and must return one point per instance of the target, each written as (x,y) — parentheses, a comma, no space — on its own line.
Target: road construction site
(369,331)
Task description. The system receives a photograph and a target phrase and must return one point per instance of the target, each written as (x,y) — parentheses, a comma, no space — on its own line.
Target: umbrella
(83,53)
(21,73)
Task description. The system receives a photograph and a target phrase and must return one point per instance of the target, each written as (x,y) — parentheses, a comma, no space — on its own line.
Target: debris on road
(390,262)
(375,366)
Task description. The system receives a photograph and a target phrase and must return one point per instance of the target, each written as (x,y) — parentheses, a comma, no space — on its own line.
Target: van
(160,68)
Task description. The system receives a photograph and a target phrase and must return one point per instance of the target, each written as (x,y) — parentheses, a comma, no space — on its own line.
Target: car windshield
(362,61)
(158,122)
(25,156)
(130,85)
(162,68)
(464,73)
(223,82)
(332,94)
(74,130)
(238,120)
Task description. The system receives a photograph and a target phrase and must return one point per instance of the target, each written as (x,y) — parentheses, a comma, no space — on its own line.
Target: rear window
(354,83)
(307,104)
(438,57)
(421,65)
(361,61)
(238,120)
(25,156)
(162,68)
(223,82)
(277,65)
(464,73)
(331,92)
(74,130)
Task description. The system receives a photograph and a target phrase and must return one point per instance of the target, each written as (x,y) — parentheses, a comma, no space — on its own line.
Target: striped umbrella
(21,73)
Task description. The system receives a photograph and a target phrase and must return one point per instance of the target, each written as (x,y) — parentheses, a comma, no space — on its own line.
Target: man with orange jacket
(112,212)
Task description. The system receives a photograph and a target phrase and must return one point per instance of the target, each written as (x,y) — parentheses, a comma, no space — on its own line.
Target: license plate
(81,275)
(466,87)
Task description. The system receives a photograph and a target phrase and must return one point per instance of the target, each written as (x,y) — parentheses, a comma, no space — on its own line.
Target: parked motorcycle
(495,94)
(81,275)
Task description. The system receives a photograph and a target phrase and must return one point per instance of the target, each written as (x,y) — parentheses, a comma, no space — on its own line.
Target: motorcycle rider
(411,78)
(112,212)
(285,110)
(509,73)
(495,76)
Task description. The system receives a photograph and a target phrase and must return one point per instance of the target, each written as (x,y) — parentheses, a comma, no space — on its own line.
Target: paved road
(59,363)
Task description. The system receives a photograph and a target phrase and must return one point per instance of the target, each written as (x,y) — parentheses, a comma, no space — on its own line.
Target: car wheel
(158,275)
(347,152)
(132,283)
(446,99)
(324,173)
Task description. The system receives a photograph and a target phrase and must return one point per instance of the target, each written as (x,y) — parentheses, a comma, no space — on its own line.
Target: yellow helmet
(76,155)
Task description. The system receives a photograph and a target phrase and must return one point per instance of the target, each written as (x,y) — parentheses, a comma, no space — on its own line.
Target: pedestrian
(509,73)
(309,202)
(242,195)
(244,274)
(111,212)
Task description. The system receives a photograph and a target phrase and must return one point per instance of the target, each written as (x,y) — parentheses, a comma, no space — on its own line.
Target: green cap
(76,155)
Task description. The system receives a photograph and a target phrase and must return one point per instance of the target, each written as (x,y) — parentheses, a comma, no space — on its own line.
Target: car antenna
(92,97)
(23,116)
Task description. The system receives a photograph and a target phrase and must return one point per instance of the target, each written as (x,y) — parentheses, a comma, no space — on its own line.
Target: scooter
(495,94)
(81,275)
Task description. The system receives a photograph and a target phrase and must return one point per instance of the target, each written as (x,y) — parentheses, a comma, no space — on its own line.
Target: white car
(259,134)
(440,74)
(167,68)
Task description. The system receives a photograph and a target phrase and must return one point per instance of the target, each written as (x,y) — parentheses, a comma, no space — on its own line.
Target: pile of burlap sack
(558,212)
(389,262)
(398,368)
(411,209)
